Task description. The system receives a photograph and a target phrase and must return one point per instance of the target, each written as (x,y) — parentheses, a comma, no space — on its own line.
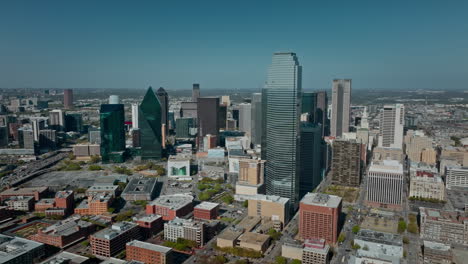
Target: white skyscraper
(245,119)
(392,120)
(134,115)
(364,119)
(57,119)
(341,103)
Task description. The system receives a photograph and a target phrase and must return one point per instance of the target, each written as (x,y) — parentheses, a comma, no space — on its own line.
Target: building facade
(112,132)
(341,104)
(148,253)
(392,120)
(385,184)
(346,163)
(149,122)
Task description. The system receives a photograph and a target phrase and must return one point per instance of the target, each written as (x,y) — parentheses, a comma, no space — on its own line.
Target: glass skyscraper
(311,149)
(112,132)
(149,122)
(309,105)
(256,118)
(281,102)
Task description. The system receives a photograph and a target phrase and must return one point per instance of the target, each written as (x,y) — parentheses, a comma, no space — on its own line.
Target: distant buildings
(164,101)
(385,182)
(57,120)
(149,123)
(195,92)
(245,118)
(391,126)
(178,166)
(443,226)
(256,122)
(68,98)
(148,253)
(280,146)
(208,111)
(318,217)
(184,125)
(416,143)
(170,206)
(135,116)
(346,163)
(112,240)
(311,149)
(341,104)
(112,132)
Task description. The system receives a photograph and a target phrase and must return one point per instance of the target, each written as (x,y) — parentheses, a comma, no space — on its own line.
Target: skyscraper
(135,115)
(57,119)
(280,103)
(309,105)
(195,92)
(149,123)
(322,110)
(392,120)
(341,103)
(256,125)
(112,132)
(164,101)
(311,149)
(68,98)
(245,118)
(346,163)
(208,111)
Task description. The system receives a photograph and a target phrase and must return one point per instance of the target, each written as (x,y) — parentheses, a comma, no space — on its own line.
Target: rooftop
(230,234)
(102,188)
(254,238)
(387,166)
(63,194)
(270,198)
(173,202)
(321,199)
(12,247)
(379,237)
(441,215)
(66,227)
(22,191)
(147,218)
(141,185)
(436,246)
(115,230)
(207,205)
(65,257)
(149,246)
(249,222)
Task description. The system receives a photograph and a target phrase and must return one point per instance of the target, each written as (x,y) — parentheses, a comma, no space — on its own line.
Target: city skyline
(379,45)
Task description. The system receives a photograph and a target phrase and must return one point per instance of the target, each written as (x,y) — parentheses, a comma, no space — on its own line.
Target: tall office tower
(392,121)
(68,98)
(26,138)
(3,136)
(189,109)
(280,104)
(195,92)
(346,163)
(135,115)
(114,99)
(256,124)
(226,100)
(245,119)
(385,184)
(183,126)
(322,112)
(235,115)
(57,119)
(319,215)
(47,139)
(341,103)
(38,124)
(112,132)
(74,122)
(150,126)
(222,117)
(208,111)
(365,119)
(311,149)
(164,101)
(309,105)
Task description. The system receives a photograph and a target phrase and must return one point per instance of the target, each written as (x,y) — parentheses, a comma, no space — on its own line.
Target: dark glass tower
(208,120)
(164,100)
(309,105)
(311,149)
(149,122)
(281,112)
(322,112)
(256,118)
(112,132)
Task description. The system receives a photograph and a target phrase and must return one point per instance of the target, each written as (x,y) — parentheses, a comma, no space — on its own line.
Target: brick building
(206,211)
(149,225)
(171,206)
(110,241)
(444,226)
(94,205)
(148,253)
(36,192)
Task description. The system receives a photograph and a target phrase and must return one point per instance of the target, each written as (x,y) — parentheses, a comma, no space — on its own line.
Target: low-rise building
(148,253)
(112,240)
(187,229)
(65,257)
(254,241)
(427,185)
(143,189)
(171,206)
(206,211)
(272,207)
(95,205)
(16,250)
(63,200)
(439,253)
(456,177)
(178,166)
(316,251)
(20,203)
(379,245)
(36,192)
(229,238)
(149,225)
(102,190)
(444,226)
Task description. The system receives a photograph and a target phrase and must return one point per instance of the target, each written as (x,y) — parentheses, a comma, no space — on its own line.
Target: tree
(341,238)
(245,203)
(95,159)
(94,167)
(356,246)
(296,261)
(281,260)
(356,229)
(401,226)
(405,240)
(228,199)
(275,235)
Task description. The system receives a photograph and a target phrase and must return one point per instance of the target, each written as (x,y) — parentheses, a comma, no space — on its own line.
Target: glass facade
(311,149)
(281,112)
(256,118)
(112,132)
(149,122)
(183,126)
(309,105)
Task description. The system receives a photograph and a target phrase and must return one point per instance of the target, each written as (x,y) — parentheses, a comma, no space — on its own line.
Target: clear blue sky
(229,44)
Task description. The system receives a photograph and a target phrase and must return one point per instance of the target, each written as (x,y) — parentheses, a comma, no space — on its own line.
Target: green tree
(275,235)
(228,199)
(341,238)
(296,261)
(95,159)
(245,203)
(401,226)
(281,260)
(94,167)
(356,229)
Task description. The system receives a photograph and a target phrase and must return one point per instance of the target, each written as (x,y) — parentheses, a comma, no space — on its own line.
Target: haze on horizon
(227,45)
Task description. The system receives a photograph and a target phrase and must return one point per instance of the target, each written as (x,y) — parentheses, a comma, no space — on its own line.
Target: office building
(114,99)
(392,120)
(346,163)
(96,204)
(135,115)
(74,122)
(322,112)
(309,106)
(254,241)
(443,226)
(38,124)
(3,136)
(280,103)
(251,171)
(20,203)
(385,182)
(439,253)
(112,132)
(456,176)
(148,253)
(222,117)
(256,122)
(47,139)
(426,185)
(341,104)
(110,241)
(36,192)
(26,138)
(186,229)
(178,166)
(271,207)
(183,127)
(150,126)
(245,119)
(189,109)
(315,251)
(319,216)
(143,189)
(416,142)
(208,111)
(164,101)
(57,120)
(311,149)
(171,206)
(68,98)
(206,211)
(16,250)
(195,92)
(149,225)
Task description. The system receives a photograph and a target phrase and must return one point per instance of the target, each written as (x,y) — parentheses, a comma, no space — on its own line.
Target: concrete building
(381,246)
(143,189)
(385,184)
(171,206)
(254,241)
(426,185)
(318,217)
(47,139)
(381,154)
(341,104)
(57,120)
(251,177)
(429,156)
(229,238)
(178,166)
(443,226)
(256,122)
(457,153)
(86,150)
(272,207)
(135,116)
(208,111)
(456,177)
(245,118)
(189,110)
(315,251)
(68,98)
(110,241)
(65,232)
(26,138)
(346,163)
(392,120)
(439,253)
(187,229)
(148,253)
(206,211)
(20,203)
(16,250)
(416,142)
(195,92)
(65,257)
(102,189)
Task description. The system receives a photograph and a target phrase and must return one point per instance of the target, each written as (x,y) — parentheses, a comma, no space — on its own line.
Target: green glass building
(309,105)
(112,132)
(149,123)
(311,149)
(183,126)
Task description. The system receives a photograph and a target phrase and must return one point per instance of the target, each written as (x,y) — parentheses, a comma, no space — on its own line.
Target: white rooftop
(207,205)
(321,199)
(270,198)
(149,246)
(387,166)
